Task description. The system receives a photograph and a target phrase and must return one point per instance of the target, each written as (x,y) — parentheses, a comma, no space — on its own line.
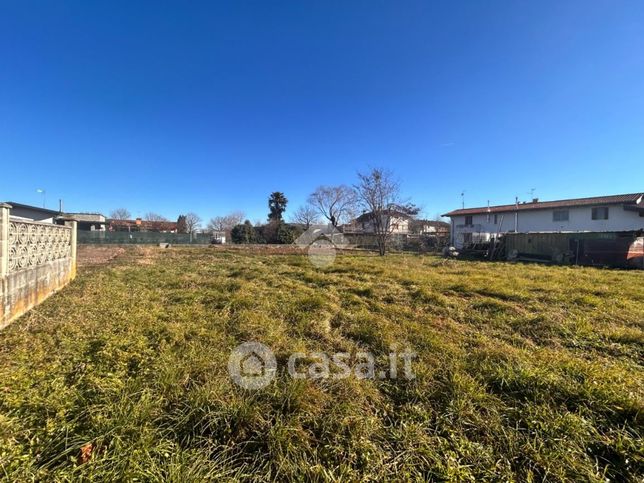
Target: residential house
(396,221)
(428,227)
(142,225)
(615,213)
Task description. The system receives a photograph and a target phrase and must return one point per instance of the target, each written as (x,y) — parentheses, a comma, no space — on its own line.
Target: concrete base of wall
(24,289)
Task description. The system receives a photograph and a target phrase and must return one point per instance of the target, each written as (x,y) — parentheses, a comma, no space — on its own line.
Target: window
(468,220)
(496,219)
(642,214)
(560,215)
(600,213)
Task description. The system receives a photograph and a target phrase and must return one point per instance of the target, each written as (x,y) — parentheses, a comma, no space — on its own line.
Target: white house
(598,214)
(395,221)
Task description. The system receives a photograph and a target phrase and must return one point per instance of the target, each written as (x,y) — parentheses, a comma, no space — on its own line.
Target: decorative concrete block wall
(36,260)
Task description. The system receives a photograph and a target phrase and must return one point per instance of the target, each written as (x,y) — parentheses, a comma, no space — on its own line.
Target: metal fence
(141,237)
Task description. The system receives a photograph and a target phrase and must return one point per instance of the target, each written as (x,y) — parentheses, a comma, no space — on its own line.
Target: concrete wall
(22,290)
(36,260)
(579,219)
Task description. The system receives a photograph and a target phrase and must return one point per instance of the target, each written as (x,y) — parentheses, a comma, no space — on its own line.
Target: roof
(634,198)
(90,217)
(144,224)
(436,223)
(368,216)
(35,208)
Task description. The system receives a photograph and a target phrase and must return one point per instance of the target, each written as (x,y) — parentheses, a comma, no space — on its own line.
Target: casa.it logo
(252,365)
(321,243)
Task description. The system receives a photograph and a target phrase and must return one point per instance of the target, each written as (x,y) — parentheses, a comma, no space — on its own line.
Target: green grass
(523,373)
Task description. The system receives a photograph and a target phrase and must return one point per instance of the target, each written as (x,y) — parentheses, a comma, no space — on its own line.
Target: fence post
(4,239)
(74,243)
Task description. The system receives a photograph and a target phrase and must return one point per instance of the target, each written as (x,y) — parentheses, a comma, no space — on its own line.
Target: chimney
(535,200)
(138,221)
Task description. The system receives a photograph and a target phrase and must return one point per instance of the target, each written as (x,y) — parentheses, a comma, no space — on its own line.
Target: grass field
(523,372)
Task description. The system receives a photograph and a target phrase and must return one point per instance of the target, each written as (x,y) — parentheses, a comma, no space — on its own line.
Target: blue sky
(209,106)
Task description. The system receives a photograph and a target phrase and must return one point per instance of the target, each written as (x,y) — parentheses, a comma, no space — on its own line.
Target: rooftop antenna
(463,199)
(532,190)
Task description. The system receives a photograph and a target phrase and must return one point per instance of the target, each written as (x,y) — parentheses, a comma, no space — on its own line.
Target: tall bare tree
(152,216)
(192,222)
(306,215)
(335,203)
(120,214)
(226,222)
(378,194)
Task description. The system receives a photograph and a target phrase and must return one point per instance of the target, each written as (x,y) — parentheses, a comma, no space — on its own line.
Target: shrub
(243,233)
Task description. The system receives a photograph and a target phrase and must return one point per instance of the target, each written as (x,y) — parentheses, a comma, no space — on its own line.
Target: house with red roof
(161,226)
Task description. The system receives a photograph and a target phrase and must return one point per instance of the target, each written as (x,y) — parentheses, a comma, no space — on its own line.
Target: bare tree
(226,222)
(306,215)
(192,222)
(335,203)
(120,214)
(378,194)
(151,216)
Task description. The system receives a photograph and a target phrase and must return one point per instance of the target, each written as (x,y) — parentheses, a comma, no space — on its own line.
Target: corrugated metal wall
(617,249)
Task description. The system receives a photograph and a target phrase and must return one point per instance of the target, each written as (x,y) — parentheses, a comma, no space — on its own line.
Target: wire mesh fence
(142,237)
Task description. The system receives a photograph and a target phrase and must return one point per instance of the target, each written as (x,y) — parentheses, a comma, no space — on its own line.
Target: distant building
(397,221)
(142,225)
(32,213)
(428,227)
(86,221)
(616,213)
(217,237)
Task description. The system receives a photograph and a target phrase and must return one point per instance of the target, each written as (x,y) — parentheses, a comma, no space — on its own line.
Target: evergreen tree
(182,226)
(243,233)
(277,205)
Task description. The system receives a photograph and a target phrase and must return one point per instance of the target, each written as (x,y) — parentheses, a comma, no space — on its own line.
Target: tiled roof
(144,224)
(390,212)
(541,205)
